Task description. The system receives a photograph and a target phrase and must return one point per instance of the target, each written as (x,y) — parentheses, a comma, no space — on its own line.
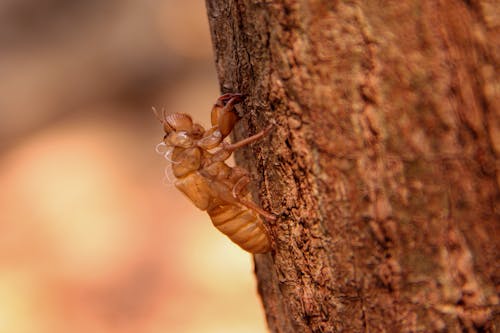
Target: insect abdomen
(242,226)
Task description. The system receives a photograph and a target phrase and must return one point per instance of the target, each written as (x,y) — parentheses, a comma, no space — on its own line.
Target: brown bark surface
(383,167)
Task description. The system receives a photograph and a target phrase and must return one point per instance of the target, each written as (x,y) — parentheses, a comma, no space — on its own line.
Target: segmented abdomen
(242,226)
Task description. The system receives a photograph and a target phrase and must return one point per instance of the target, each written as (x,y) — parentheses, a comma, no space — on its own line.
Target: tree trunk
(383,165)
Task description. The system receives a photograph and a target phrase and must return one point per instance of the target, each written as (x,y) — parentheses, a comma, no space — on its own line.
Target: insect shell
(208,181)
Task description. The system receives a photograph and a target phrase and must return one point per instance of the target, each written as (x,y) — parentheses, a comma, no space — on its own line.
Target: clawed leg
(223,100)
(240,190)
(227,148)
(223,114)
(247,141)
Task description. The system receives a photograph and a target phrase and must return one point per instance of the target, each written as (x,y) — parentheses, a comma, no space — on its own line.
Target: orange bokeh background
(91,238)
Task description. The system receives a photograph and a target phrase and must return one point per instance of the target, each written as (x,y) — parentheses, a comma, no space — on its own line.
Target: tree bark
(383,165)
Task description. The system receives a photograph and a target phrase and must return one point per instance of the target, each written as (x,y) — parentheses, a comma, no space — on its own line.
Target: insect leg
(257,209)
(240,190)
(223,116)
(222,100)
(247,141)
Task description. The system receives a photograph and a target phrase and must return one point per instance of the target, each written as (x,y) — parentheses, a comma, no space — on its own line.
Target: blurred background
(91,238)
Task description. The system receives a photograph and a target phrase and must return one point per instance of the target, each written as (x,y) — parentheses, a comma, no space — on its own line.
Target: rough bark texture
(383,168)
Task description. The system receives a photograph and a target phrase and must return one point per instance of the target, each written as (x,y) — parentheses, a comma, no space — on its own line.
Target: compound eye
(179,139)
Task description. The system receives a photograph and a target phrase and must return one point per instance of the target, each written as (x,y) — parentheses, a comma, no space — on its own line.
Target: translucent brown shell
(212,185)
